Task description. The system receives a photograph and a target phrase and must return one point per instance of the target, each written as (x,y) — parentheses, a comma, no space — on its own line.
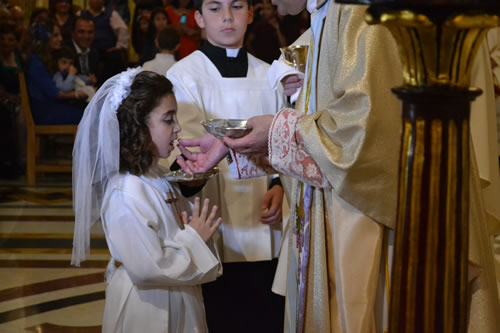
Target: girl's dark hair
(43,48)
(137,150)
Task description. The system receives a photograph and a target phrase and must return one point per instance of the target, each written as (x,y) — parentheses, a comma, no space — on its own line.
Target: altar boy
(221,80)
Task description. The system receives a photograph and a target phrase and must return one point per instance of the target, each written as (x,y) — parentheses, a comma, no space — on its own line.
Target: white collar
(164,55)
(79,50)
(232,53)
(311,5)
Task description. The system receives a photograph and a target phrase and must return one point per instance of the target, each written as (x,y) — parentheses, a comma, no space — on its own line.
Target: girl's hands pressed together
(205,226)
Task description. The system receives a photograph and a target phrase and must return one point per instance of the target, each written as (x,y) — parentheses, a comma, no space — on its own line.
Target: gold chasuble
(341,151)
(351,129)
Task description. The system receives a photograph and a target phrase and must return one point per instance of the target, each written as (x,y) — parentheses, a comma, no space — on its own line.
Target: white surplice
(202,93)
(156,285)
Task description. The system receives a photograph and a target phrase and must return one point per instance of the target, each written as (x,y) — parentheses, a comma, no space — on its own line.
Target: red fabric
(188,44)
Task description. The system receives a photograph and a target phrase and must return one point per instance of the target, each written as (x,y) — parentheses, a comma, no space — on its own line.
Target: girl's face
(55,39)
(163,125)
(143,25)
(160,21)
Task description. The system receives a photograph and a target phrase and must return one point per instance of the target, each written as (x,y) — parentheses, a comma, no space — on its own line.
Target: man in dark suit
(87,57)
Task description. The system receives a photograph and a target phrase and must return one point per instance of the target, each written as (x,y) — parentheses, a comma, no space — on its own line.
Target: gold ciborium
(295,56)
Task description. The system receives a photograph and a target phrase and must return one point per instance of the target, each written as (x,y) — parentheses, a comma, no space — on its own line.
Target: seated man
(87,57)
(111,37)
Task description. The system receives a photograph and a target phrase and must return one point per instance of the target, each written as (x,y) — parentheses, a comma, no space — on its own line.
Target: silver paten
(181,176)
(234,128)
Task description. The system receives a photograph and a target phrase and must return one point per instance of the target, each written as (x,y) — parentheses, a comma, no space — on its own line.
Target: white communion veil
(96,157)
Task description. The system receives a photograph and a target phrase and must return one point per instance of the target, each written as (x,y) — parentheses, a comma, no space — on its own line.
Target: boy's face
(225,21)
(63,64)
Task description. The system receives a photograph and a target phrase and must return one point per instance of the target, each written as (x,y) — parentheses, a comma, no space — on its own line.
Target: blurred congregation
(65,49)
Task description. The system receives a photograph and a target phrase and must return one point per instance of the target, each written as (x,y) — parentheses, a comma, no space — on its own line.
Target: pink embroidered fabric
(287,153)
(249,166)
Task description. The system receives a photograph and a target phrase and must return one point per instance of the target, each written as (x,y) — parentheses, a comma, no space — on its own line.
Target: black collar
(227,66)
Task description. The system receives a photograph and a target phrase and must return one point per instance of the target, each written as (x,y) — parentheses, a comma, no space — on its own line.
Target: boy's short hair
(198,3)
(168,38)
(65,52)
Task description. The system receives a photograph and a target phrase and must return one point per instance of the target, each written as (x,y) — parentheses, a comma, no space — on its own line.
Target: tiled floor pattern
(39,290)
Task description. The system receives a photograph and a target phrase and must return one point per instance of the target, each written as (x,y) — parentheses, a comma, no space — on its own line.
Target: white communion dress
(158,264)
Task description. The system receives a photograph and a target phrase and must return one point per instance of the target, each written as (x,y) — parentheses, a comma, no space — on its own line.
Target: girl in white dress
(159,257)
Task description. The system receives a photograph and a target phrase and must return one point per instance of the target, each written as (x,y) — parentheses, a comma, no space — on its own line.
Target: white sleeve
(182,259)
(120,29)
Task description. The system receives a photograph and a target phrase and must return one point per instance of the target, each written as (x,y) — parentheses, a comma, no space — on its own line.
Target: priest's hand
(256,140)
(212,151)
(292,83)
(272,205)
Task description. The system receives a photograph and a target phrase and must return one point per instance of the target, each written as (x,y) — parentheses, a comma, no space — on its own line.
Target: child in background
(157,22)
(159,257)
(141,32)
(65,76)
(167,43)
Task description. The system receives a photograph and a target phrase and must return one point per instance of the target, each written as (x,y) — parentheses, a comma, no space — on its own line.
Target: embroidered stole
(303,206)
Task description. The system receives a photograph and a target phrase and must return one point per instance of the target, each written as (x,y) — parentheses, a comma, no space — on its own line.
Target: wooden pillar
(437,42)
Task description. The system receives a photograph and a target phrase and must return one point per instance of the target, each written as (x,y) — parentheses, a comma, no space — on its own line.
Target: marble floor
(39,290)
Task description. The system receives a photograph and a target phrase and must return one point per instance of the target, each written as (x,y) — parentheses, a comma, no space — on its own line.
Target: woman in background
(49,105)
(61,11)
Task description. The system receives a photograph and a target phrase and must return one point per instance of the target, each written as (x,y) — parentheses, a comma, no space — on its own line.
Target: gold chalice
(295,56)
